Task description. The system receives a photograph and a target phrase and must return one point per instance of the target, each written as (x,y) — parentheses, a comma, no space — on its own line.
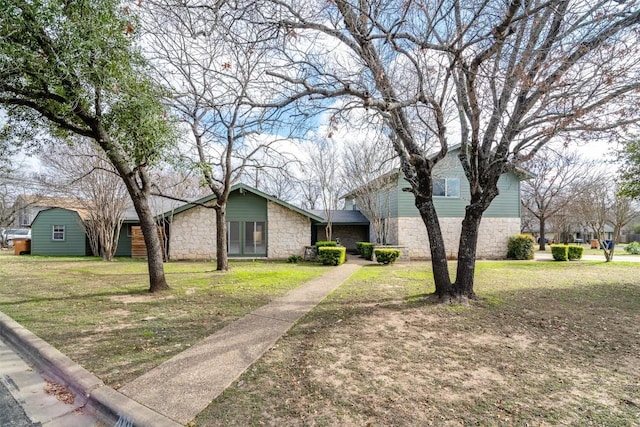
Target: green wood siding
(124,241)
(246,207)
(505,205)
(42,243)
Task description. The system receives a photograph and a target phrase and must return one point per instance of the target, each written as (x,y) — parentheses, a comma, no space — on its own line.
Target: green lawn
(547,343)
(101,315)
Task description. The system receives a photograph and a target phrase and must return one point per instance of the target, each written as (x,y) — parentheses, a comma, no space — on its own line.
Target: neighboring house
(27,206)
(258,226)
(59,232)
(405,227)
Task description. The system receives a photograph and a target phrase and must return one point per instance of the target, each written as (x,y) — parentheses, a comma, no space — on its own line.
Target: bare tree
(278,182)
(602,204)
(309,191)
(84,174)
(215,73)
(509,77)
(553,186)
(366,170)
(324,165)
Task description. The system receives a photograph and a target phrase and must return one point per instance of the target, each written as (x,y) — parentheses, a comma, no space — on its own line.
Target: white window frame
(57,230)
(449,185)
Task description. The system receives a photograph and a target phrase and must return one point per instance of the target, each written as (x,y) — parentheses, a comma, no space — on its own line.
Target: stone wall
(193,235)
(494,235)
(288,232)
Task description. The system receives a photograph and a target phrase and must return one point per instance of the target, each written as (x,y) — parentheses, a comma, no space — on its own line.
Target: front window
(58,232)
(446,187)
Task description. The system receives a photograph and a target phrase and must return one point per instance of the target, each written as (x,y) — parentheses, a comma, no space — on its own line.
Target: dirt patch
(375,358)
(134,299)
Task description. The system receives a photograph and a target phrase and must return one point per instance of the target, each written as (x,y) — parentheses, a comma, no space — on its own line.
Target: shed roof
(343,217)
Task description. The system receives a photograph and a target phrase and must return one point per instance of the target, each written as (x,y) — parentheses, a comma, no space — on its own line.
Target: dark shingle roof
(343,216)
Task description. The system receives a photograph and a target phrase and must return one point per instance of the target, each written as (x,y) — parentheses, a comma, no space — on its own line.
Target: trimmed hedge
(520,246)
(366,250)
(386,256)
(560,252)
(566,252)
(359,246)
(575,252)
(325,243)
(332,255)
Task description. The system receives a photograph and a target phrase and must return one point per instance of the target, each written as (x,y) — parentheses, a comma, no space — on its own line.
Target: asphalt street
(11,412)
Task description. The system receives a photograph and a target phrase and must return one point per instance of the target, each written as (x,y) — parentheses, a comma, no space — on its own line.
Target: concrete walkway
(184,385)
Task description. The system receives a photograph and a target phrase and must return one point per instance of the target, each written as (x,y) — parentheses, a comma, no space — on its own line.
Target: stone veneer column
(193,235)
(288,232)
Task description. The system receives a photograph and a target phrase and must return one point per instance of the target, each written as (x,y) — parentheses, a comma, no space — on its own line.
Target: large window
(246,238)
(446,187)
(58,233)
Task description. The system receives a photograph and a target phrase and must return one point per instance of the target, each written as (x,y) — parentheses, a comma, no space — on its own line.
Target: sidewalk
(28,361)
(183,386)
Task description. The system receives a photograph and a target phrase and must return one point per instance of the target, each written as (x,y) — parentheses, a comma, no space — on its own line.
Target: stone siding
(193,235)
(288,232)
(494,235)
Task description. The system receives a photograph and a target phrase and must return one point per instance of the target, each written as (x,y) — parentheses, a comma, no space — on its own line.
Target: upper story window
(446,187)
(58,232)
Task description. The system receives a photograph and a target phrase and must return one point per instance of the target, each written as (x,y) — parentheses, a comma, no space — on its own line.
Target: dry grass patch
(548,344)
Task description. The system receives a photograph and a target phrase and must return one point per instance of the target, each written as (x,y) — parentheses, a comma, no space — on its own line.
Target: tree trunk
(439,262)
(222,260)
(463,286)
(542,232)
(155,258)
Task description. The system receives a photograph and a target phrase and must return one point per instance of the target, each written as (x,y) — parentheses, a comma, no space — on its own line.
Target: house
(403,225)
(59,232)
(258,226)
(27,206)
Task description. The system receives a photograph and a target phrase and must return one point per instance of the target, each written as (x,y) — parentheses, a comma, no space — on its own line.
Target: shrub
(520,247)
(560,252)
(359,246)
(326,243)
(367,250)
(386,256)
(574,252)
(294,259)
(633,248)
(332,255)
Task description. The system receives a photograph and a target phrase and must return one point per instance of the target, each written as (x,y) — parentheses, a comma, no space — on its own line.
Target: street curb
(109,404)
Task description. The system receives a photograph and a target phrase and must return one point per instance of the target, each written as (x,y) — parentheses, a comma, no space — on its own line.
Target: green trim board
(242,189)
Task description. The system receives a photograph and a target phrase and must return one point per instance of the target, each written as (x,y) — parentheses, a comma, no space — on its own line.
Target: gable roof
(244,187)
